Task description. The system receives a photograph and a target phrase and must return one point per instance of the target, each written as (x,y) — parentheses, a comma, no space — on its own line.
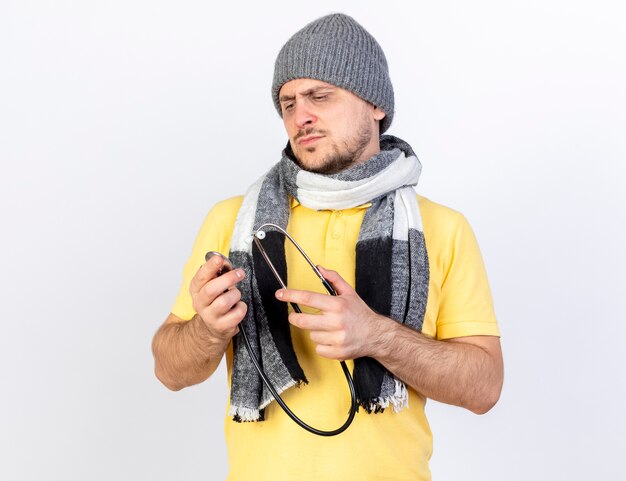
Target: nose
(303,116)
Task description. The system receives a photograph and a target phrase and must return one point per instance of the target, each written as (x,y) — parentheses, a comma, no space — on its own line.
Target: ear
(378,113)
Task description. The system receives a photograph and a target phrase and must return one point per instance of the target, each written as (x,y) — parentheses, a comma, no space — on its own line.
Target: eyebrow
(305,93)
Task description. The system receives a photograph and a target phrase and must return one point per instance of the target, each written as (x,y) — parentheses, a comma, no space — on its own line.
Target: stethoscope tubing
(289,412)
(257,236)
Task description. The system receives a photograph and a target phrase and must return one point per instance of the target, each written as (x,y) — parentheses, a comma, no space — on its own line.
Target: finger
(235,315)
(207,271)
(315,300)
(338,283)
(225,302)
(311,322)
(228,325)
(330,352)
(216,287)
(328,338)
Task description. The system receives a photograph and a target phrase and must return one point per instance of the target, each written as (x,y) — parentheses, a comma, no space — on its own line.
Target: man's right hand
(217,300)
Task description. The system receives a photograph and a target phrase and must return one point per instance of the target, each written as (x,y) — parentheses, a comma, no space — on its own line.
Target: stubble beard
(338,160)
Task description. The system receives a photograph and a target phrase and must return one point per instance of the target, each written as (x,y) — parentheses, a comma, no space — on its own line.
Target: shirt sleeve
(214,235)
(465,303)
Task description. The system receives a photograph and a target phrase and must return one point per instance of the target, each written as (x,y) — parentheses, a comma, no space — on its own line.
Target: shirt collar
(295,203)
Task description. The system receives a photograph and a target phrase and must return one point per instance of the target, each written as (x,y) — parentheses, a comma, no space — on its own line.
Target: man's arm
(465,372)
(188,352)
(185,353)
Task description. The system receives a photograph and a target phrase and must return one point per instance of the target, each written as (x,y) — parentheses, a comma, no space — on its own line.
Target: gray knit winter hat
(338,50)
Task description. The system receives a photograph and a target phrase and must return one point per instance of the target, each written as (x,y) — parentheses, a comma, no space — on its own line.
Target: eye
(320,98)
(288,107)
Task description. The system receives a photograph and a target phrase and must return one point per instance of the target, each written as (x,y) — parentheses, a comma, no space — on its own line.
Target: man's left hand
(345,327)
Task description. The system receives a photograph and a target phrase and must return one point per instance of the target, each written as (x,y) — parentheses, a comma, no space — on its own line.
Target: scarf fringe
(399,400)
(245,415)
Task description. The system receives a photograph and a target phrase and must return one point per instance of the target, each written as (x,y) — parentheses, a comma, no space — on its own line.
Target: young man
(413,313)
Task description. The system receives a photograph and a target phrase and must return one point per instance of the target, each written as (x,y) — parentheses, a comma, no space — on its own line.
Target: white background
(122,122)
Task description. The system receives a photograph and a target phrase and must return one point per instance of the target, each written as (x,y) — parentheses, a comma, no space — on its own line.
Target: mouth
(309,139)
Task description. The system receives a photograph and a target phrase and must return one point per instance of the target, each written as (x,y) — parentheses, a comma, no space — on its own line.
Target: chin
(309,160)
(319,162)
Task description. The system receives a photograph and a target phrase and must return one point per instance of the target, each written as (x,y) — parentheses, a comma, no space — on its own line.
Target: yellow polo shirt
(386,446)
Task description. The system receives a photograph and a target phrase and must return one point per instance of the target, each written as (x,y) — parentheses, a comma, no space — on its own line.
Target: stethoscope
(257,236)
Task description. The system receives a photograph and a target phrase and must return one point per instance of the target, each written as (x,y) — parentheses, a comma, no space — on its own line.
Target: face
(329,128)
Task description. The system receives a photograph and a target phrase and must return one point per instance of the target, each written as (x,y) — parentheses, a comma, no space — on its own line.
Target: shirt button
(336,235)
